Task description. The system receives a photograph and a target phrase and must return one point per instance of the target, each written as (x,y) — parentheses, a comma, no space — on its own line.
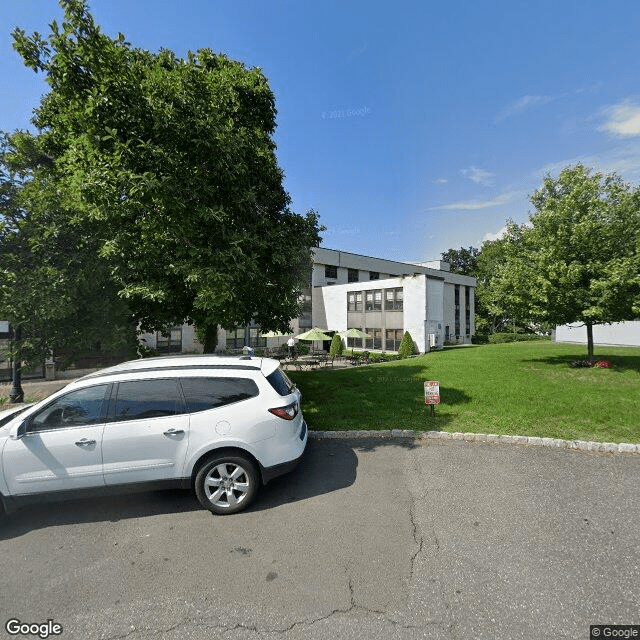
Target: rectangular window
(207,393)
(306,311)
(239,337)
(375,339)
(169,341)
(368,342)
(78,408)
(393,339)
(377,300)
(393,299)
(352,275)
(351,301)
(374,275)
(330,271)
(255,339)
(146,399)
(368,301)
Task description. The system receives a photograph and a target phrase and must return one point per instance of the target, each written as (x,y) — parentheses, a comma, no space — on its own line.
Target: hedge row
(500,338)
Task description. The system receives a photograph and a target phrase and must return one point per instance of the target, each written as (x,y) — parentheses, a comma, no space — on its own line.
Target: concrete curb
(408,434)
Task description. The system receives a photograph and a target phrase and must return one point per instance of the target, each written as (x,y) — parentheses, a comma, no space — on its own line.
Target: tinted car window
(147,399)
(280,382)
(207,393)
(78,408)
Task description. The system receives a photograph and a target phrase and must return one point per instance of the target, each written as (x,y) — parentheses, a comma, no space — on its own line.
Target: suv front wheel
(226,483)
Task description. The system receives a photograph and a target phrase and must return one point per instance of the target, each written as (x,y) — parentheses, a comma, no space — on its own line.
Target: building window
(306,309)
(352,275)
(170,342)
(374,275)
(241,336)
(393,299)
(375,341)
(354,301)
(330,271)
(373,300)
(354,343)
(393,338)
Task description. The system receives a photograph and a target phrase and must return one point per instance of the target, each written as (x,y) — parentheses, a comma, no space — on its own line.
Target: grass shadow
(620,363)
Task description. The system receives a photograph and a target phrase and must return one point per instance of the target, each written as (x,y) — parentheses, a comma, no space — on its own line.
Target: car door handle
(84,442)
(173,432)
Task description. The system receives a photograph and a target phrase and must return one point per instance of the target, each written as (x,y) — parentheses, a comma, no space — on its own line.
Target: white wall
(618,333)
(435,310)
(415,310)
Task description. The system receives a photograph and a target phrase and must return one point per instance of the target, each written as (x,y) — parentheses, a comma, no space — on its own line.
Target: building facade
(381,297)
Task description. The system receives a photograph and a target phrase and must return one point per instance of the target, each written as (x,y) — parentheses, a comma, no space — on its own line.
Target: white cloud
(523,104)
(440,181)
(494,236)
(479,176)
(623,120)
(476,205)
(624,161)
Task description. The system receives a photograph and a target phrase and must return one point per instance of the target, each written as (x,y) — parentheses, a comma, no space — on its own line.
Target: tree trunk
(16,394)
(210,339)
(590,342)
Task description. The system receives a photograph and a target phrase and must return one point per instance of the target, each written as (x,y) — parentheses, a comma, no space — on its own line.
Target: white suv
(220,425)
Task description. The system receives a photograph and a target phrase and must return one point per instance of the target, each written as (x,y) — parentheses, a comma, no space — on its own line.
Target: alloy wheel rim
(226,485)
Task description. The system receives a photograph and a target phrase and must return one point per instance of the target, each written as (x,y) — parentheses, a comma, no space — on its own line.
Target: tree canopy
(166,175)
(463,260)
(578,258)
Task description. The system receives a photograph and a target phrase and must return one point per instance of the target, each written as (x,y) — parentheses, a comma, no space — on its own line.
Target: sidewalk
(39,388)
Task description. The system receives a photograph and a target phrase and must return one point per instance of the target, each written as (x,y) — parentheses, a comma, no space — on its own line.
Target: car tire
(226,484)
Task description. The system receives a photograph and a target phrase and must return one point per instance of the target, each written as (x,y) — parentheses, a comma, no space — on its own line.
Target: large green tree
(578,258)
(171,164)
(55,294)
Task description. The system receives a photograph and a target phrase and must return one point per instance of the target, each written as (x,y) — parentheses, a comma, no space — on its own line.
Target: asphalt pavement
(365,539)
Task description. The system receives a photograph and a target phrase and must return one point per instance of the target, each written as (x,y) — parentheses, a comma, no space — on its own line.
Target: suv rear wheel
(226,483)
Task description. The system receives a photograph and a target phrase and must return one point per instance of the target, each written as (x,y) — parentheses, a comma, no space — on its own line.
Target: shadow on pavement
(326,466)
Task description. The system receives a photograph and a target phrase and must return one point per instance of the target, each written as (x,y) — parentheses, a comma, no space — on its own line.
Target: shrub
(302,349)
(500,338)
(479,338)
(407,346)
(580,364)
(336,346)
(603,364)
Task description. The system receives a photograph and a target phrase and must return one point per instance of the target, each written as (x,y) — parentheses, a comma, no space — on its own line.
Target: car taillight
(286,413)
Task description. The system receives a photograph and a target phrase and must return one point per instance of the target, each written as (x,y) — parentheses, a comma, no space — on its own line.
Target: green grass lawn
(525,388)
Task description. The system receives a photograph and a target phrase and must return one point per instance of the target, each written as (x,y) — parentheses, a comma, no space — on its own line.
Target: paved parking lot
(364,540)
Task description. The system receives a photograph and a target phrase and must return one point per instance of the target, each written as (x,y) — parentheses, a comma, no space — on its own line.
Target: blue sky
(411,127)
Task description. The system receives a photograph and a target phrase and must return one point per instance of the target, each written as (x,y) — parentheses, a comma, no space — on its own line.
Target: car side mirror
(18,431)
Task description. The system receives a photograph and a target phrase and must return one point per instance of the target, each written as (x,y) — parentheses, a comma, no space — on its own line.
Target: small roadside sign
(431,392)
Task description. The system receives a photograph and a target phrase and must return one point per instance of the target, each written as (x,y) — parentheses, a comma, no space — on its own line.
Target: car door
(61,446)
(147,432)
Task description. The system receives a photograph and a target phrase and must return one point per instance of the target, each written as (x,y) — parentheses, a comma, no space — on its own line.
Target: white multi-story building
(381,297)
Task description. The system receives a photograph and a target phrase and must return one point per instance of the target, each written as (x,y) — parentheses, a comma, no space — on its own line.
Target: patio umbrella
(354,333)
(313,335)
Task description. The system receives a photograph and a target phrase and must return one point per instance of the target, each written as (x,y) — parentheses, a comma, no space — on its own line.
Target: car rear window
(280,382)
(207,393)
